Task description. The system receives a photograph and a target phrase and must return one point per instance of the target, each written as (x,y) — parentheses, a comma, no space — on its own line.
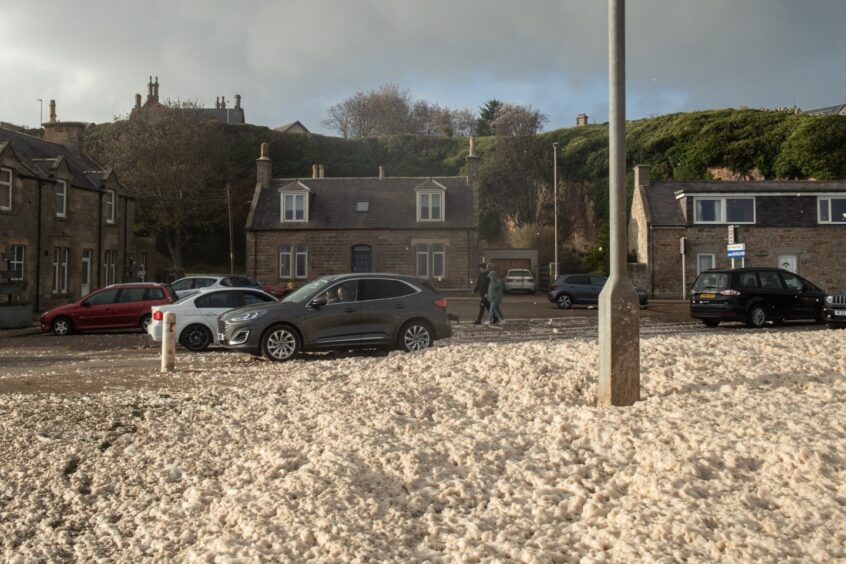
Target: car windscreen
(304,293)
(711,281)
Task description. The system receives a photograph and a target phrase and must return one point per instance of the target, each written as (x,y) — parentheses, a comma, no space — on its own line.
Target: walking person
(496,288)
(481,288)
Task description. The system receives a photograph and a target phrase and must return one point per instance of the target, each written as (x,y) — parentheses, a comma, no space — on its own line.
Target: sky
(293,59)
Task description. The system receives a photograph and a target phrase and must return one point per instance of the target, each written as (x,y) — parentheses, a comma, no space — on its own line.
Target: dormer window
(724,209)
(294,207)
(430,206)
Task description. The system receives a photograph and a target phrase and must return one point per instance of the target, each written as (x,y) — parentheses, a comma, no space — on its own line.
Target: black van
(755,296)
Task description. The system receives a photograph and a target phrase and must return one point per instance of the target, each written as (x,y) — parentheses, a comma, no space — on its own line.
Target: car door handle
(399,306)
(350,310)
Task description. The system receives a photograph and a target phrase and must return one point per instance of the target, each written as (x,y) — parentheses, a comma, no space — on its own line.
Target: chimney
(138,101)
(237,101)
(472,165)
(67,133)
(641,177)
(381,172)
(156,89)
(315,171)
(581,120)
(222,103)
(322,171)
(150,89)
(217,102)
(264,167)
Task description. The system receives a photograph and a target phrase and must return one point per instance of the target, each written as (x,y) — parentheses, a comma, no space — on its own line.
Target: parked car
(342,311)
(835,308)
(119,306)
(189,284)
(572,289)
(519,280)
(755,296)
(197,313)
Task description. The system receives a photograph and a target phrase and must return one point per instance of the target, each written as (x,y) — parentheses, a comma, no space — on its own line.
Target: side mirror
(317,303)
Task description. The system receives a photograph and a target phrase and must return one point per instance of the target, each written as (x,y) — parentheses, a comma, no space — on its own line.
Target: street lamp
(555,209)
(619,323)
(40,111)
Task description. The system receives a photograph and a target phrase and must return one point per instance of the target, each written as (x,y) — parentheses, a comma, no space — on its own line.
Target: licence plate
(840,312)
(707,296)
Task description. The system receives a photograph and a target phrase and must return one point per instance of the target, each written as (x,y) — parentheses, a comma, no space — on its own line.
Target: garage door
(504,265)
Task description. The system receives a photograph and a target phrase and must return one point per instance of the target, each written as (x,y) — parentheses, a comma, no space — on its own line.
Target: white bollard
(169,342)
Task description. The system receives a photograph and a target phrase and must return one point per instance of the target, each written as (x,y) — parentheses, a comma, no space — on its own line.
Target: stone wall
(330,252)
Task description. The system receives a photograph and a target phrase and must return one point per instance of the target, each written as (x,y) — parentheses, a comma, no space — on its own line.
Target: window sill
(62,218)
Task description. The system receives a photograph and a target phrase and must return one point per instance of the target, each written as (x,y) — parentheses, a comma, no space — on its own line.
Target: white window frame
(109,271)
(64,196)
(713,262)
(428,194)
(8,182)
(827,200)
(421,249)
(285,250)
(724,210)
(283,207)
(293,254)
(18,262)
(300,250)
(61,260)
(439,249)
(110,206)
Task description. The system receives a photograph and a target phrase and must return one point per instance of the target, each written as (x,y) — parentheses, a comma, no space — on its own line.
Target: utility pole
(231,232)
(619,323)
(555,207)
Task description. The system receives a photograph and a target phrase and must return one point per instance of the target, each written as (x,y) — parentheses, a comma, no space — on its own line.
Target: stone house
(302,228)
(67,220)
(220,112)
(797,225)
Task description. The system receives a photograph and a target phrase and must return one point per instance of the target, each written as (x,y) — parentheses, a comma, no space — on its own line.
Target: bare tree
(516,120)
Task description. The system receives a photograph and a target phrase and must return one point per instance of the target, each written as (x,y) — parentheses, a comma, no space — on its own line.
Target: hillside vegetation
(516,173)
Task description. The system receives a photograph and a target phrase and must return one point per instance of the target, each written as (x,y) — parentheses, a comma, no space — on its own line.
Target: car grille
(839,300)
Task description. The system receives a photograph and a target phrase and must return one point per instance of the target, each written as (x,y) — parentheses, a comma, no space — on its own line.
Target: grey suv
(572,289)
(342,311)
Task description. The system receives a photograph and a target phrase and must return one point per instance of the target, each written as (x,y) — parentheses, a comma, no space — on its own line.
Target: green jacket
(495,288)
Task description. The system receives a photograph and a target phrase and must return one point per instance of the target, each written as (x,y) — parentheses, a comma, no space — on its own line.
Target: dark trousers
(484,305)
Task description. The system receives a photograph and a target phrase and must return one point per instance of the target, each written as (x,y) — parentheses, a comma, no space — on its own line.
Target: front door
(85,287)
(361,258)
(337,322)
(788,262)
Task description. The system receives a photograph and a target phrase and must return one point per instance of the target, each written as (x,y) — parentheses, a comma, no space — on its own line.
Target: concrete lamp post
(619,323)
(555,210)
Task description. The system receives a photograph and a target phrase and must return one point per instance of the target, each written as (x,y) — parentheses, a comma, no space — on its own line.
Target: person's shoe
(495,321)
(477,323)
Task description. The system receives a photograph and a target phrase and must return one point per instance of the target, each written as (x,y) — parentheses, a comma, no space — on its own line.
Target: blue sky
(292,59)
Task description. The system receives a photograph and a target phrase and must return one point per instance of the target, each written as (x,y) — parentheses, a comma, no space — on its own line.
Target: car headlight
(247,316)
(829,299)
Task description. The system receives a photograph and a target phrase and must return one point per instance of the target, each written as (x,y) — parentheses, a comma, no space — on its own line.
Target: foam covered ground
(464,452)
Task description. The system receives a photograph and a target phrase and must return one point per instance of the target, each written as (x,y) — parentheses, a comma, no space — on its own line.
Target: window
(103,298)
(237,282)
(430,206)
(155,294)
(184,284)
(61,256)
(832,210)
(18,261)
(229,299)
(110,206)
(423,261)
(203,282)
(704,262)
(109,258)
(252,298)
(131,295)
(438,267)
(769,279)
(382,289)
(361,258)
(724,210)
(748,280)
(792,281)
(580,280)
(344,292)
(597,281)
(61,198)
(5,189)
(293,261)
(711,281)
(362,206)
(294,207)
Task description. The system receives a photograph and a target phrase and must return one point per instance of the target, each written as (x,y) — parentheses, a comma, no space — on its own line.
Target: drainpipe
(651,261)
(100,240)
(125,226)
(38,249)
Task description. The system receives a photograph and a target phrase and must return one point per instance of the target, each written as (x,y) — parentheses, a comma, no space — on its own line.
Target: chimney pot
(222,103)
(156,89)
(315,171)
(264,166)
(150,89)
(381,172)
(472,146)
(53,111)
(137,101)
(217,102)
(581,119)
(238,101)
(322,171)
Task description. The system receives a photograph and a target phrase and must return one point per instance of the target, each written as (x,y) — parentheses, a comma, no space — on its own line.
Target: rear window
(748,280)
(155,294)
(380,289)
(578,280)
(714,281)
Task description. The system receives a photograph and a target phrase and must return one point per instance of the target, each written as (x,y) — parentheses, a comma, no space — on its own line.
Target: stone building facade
(300,229)
(221,112)
(796,225)
(68,221)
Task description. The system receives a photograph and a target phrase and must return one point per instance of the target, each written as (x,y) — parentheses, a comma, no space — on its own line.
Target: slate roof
(287,126)
(839,109)
(666,211)
(393,204)
(223,115)
(33,151)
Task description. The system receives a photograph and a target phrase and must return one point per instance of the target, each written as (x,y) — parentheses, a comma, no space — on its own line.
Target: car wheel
(757,317)
(145,322)
(62,326)
(415,336)
(711,322)
(564,301)
(196,337)
(280,343)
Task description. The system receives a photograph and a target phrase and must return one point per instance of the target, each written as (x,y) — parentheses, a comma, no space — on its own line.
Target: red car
(119,306)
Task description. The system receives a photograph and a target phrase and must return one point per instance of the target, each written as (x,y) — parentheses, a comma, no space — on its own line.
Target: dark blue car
(572,289)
